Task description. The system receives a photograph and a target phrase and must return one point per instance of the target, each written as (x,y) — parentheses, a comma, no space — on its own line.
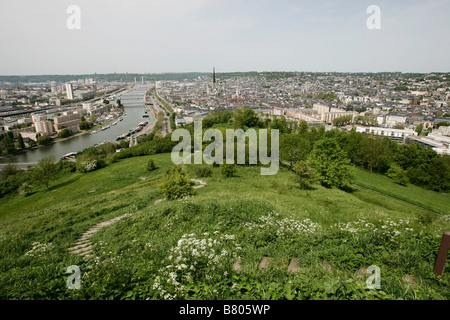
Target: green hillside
(186,249)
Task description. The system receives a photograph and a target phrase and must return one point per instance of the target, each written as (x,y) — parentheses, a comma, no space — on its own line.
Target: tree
(250,118)
(20,142)
(9,170)
(64,133)
(377,153)
(176,183)
(331,163)
(419,128)
(398,174)
(44,171)
(304,174)
(84,125)
(302,127)
(280,124)
(293,148)
(341,121)
(44,140)
(105,101)
(92,117)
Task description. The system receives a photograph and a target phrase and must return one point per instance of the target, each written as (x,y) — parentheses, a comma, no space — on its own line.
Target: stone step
(264,263)
(83,251)
(237,265)
(294,265)
(80,246)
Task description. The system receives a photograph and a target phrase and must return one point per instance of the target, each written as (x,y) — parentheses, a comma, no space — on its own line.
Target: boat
(122,136)
(114,123)
(70,155)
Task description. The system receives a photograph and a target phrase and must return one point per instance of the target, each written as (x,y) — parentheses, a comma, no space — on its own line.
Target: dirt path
(83,247)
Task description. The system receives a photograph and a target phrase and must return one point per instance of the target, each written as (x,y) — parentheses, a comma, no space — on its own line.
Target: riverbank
(131,114)
(57,139)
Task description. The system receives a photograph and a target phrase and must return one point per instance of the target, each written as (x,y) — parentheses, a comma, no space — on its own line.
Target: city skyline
(234,36)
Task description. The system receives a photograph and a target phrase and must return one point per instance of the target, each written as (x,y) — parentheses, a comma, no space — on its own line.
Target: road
(20,165)
(158,106)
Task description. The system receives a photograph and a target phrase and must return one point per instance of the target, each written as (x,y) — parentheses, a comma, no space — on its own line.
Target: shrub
(176,183)
(304,174)
(25,189)
(228,170)
(88,163)
(202,171)
(397,174)
(151,165)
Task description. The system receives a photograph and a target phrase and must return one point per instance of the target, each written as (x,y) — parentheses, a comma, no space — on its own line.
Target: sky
(157,36)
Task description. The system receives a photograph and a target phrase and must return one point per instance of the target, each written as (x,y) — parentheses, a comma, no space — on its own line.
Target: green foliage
(280,124)
(293,148)
(419,128)
(244,118)
(304,174)
(155,146)
(20,141)
(377,153)
(25,189)
(84,125)
(44,172)
(64,133)
(330,163)
(341,121)
(218,117)
(228,170)
(44,140)
(398,174)
(176,183)
(151,165)
(244,217)
(202,171)
(9,170)
(172,121)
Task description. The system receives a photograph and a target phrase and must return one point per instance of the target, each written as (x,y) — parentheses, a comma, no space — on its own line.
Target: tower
(214,76)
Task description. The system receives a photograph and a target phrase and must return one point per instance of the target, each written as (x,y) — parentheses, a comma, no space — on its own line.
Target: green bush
(202,171)
(176,183)
(397,174)
(228,170)
(304,174)
(151,165)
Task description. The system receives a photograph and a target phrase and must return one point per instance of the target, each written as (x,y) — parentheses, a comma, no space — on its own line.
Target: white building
(42,125)
(69,91)
(394,134)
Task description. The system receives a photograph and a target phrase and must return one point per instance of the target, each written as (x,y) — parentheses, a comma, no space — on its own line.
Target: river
(133,101)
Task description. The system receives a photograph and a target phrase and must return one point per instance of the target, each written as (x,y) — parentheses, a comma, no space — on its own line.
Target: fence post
(442,255)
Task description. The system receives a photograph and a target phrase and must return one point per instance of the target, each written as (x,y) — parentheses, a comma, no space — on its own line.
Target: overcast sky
(246,35)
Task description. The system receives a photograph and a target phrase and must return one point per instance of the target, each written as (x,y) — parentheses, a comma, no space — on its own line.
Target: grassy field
(186,249)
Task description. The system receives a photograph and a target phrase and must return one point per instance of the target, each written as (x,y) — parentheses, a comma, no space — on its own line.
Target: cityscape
(105,196)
